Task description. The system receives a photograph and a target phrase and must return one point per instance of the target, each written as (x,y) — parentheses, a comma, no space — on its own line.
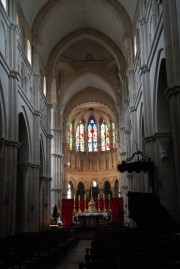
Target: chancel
(91,204)
(89,131)
(95,214)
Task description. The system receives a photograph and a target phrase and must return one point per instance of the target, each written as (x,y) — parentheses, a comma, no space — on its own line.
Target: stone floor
(75,256)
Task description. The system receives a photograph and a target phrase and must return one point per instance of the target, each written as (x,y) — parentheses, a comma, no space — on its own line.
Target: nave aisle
(76,255)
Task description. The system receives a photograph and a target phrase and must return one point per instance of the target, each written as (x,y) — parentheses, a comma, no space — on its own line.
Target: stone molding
(175,90)
(155,136)
(9,143)
(29,165)
(57,155)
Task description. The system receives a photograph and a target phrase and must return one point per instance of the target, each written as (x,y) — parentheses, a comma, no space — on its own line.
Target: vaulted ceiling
(66,31)
(52,21)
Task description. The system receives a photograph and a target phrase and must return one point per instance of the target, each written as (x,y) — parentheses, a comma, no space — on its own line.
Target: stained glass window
(113,135)
(80,137)
(92,135)
(70,136)
(29,52)
(105,141)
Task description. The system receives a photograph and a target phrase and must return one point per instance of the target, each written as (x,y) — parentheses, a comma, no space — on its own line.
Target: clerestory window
(105,137)
(92,135)
(80,137)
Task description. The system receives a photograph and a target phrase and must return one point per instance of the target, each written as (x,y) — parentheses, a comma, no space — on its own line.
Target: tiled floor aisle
(75,256)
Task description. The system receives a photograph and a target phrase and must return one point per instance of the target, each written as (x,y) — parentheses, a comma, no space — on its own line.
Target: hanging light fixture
(143,164)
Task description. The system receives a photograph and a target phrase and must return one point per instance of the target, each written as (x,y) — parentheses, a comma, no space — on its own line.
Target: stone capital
(174,90)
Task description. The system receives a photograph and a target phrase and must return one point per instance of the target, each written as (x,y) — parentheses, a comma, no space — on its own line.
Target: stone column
(125,203)
(172,50)
(56,159)
(47,203)
(25,171)
(8,173)
(87,193)
(41,190)
(101,191)
(113,192)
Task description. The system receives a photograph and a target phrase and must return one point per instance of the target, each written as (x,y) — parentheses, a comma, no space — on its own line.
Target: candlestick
(109,208)
(98,203)
(104,202)
(74,204)
(85,209)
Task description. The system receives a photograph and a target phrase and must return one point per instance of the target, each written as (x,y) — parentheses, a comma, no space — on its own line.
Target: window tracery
(92,135)
(83,139)
(105,137)
(70,136)
(80,137)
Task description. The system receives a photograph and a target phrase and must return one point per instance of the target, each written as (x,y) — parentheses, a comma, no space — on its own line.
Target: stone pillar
(41,190)
(33,211)
(125,203)
(25,171)
(87,193)
(57,158)
(101,191)
(47,203)
(113,192)
(8,172)
(172,51)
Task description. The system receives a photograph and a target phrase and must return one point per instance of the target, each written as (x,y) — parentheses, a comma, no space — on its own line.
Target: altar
(96,219)
(76,212)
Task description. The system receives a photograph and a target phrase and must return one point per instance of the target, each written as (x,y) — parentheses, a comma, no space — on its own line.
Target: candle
(98,196)
(79,197)
(103,196)
(84,196)
(109,196)
(74,197)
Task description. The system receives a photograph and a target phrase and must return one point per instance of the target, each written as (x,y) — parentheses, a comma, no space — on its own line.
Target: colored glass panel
(70,136)
(113,135)
(105,140)
(92,136)
(80,137)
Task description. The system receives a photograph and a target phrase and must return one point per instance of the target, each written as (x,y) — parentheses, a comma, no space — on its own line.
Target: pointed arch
(116,188)
(23,138)
(42,157)
(70,190)
(107,189)
(87,80)
(80,139)
(80,190)
(87,34)
(2,39)
(105,136)
(3,121)
(92,133)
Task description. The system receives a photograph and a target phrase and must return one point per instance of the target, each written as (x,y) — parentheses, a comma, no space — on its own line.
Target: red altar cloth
(116,205)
